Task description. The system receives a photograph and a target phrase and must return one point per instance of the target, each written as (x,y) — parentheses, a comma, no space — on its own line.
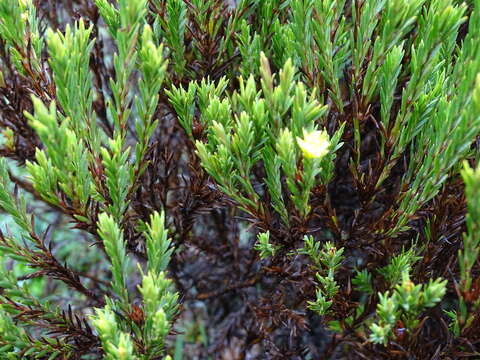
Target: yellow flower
(24,16)
(408,285)
(314,144)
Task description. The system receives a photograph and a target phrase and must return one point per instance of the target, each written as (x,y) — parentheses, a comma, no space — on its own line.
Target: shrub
(277,179)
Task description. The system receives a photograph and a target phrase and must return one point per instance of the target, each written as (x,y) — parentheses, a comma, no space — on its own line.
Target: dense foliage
(265,179)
